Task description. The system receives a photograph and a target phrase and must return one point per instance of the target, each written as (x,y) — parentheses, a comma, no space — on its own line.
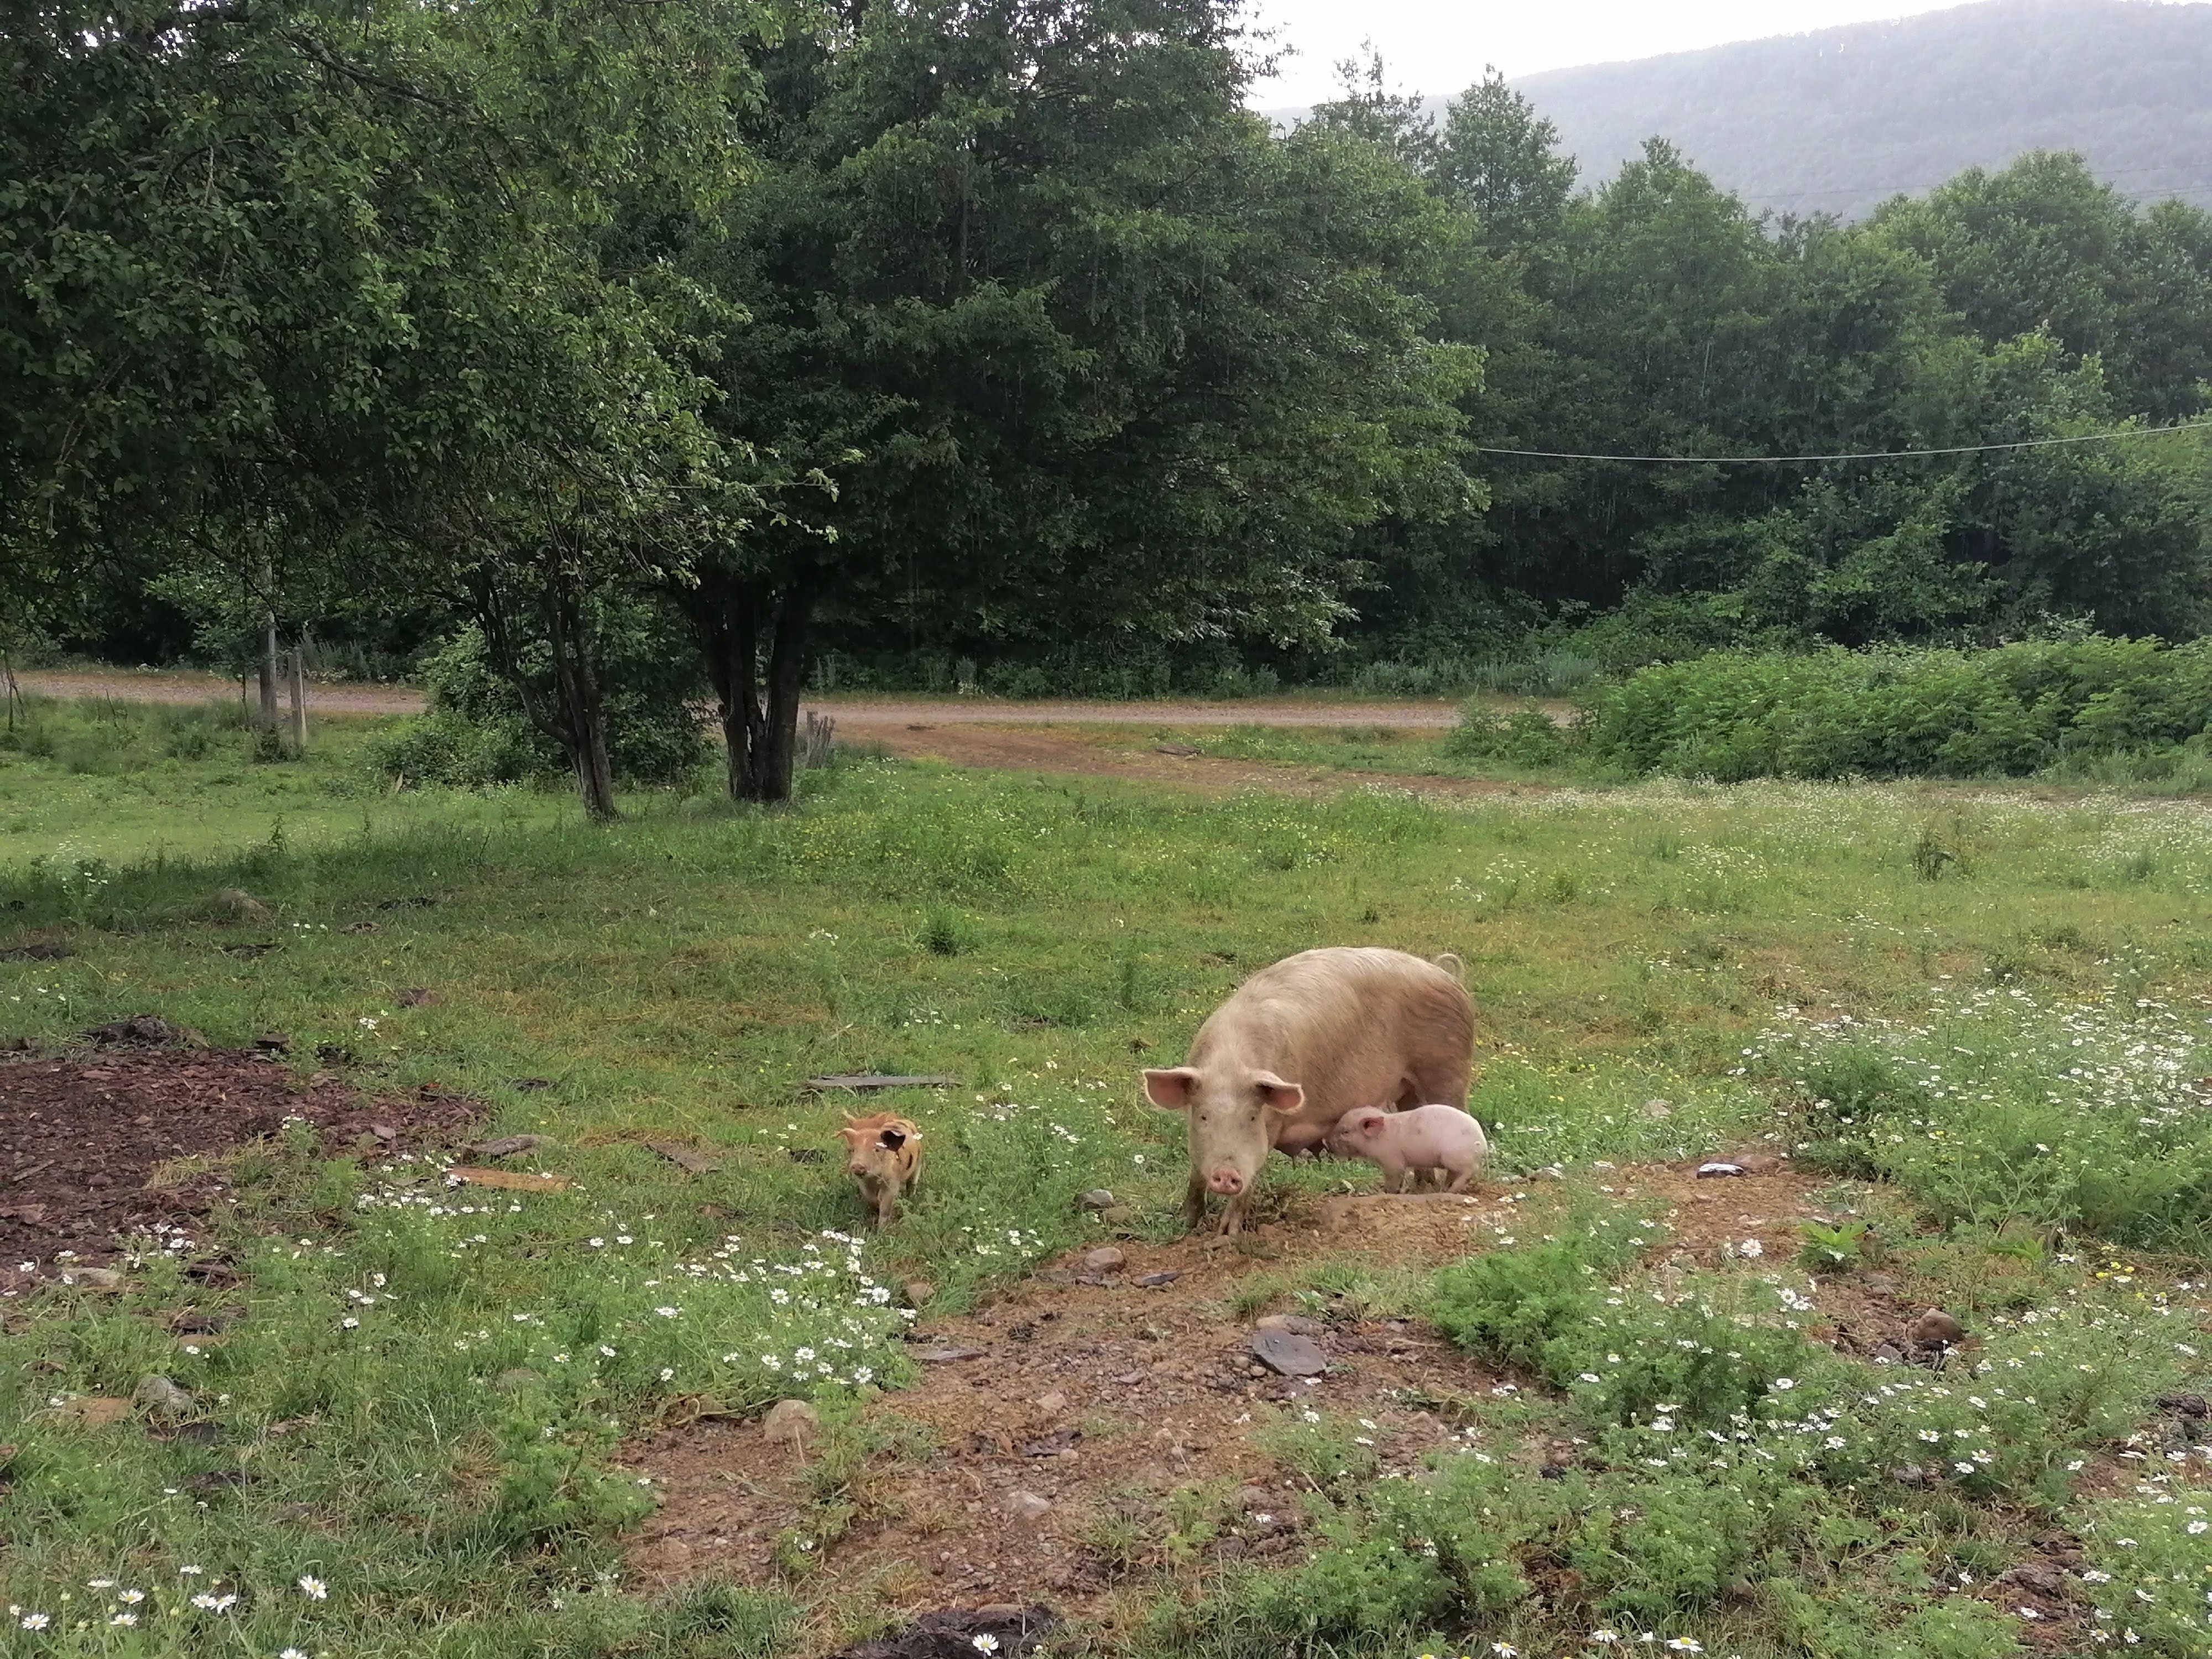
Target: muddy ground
(1030,1462)
(102,1143)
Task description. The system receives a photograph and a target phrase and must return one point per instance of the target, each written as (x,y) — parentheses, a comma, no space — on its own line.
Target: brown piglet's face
(881,1147)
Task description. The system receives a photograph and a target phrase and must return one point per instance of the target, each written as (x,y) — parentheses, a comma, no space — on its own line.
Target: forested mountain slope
(1839,121)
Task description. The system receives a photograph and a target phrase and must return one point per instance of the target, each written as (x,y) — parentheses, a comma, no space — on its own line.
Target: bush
(2010,710)
(1526,737)
(476,733)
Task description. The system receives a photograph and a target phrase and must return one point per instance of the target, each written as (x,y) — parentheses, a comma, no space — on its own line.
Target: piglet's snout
(1226,1181)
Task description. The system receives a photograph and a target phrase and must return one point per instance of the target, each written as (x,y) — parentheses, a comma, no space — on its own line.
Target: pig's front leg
(1193,1200)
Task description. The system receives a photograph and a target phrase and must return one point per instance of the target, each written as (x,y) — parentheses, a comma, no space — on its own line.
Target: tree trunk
(299,685)
(582,709)
(786,678)
(266,669)
(760,720)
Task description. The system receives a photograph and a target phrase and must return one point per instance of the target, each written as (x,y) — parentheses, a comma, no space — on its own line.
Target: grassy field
(1994,1007)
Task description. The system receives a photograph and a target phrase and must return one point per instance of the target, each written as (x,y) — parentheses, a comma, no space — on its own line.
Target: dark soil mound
(96,1145)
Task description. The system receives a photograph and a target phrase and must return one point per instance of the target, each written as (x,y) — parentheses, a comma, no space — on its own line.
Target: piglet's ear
(1169,1088)
(891,1139)
(1372,1125)
(1278,1096)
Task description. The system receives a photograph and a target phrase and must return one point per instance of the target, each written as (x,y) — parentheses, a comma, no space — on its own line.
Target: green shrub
(1526,737)
(2011,710)
(476,733)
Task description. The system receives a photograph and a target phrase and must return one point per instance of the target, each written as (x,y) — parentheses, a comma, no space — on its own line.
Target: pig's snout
(1227,1182)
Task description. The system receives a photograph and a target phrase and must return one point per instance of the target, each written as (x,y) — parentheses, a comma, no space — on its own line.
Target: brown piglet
(883,1155)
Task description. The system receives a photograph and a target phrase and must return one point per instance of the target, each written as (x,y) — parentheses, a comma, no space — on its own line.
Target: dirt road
(1061,738)
(861,714)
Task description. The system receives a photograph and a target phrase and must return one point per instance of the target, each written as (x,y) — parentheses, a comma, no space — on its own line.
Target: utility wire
(1863,455)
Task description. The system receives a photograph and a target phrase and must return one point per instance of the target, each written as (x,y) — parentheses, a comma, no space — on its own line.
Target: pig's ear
(891,1138)
(1169,1088)
(1371,1124)
(1278,1096)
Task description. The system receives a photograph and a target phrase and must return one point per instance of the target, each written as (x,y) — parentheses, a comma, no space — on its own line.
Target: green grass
(442,1463)
(88,785)
(1395,751)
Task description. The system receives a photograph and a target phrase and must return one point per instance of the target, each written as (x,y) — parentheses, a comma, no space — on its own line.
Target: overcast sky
(1439,46)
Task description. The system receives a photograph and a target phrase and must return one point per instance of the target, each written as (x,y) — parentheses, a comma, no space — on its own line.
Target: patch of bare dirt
(1067,752)
(98,1145)
(1081,1398)
(180,686)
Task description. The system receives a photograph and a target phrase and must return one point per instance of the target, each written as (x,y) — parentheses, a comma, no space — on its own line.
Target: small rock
(790,1421)
(1296,1324)
(163,1398)
(384,1132)
(515,1378)
(1909,1474)
(1288,1354)
(1886,1353)
(1708,1171)
(1027,1506)
(2041,1580)
(506,1145)
(1758,1163)
(99,1278)
(1097,1198)
(359,927)
(1252,1499)
(1878,1284)
(1183,750)
(917,1291)
(273,1042)
(1104,1260)
(1120,1216)
(1658,1108)
(2182,1405)
(1935,1329)
(1155,1281)
(1051,1405)
(417,997)
(947,1354)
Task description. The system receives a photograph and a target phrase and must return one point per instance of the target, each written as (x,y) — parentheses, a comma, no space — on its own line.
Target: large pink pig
(1300,1043)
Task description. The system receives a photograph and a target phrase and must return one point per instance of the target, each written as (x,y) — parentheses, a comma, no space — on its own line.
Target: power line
(1862,455)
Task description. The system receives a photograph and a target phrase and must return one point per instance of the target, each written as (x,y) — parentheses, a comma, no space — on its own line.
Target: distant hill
(1839,121)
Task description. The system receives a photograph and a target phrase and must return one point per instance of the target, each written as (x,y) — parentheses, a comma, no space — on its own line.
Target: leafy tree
(2043,246)
(1396,123)
(1501,161)
(1082,347)
(337,280)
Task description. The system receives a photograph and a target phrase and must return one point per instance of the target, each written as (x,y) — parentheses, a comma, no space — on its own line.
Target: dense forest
(589,356)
